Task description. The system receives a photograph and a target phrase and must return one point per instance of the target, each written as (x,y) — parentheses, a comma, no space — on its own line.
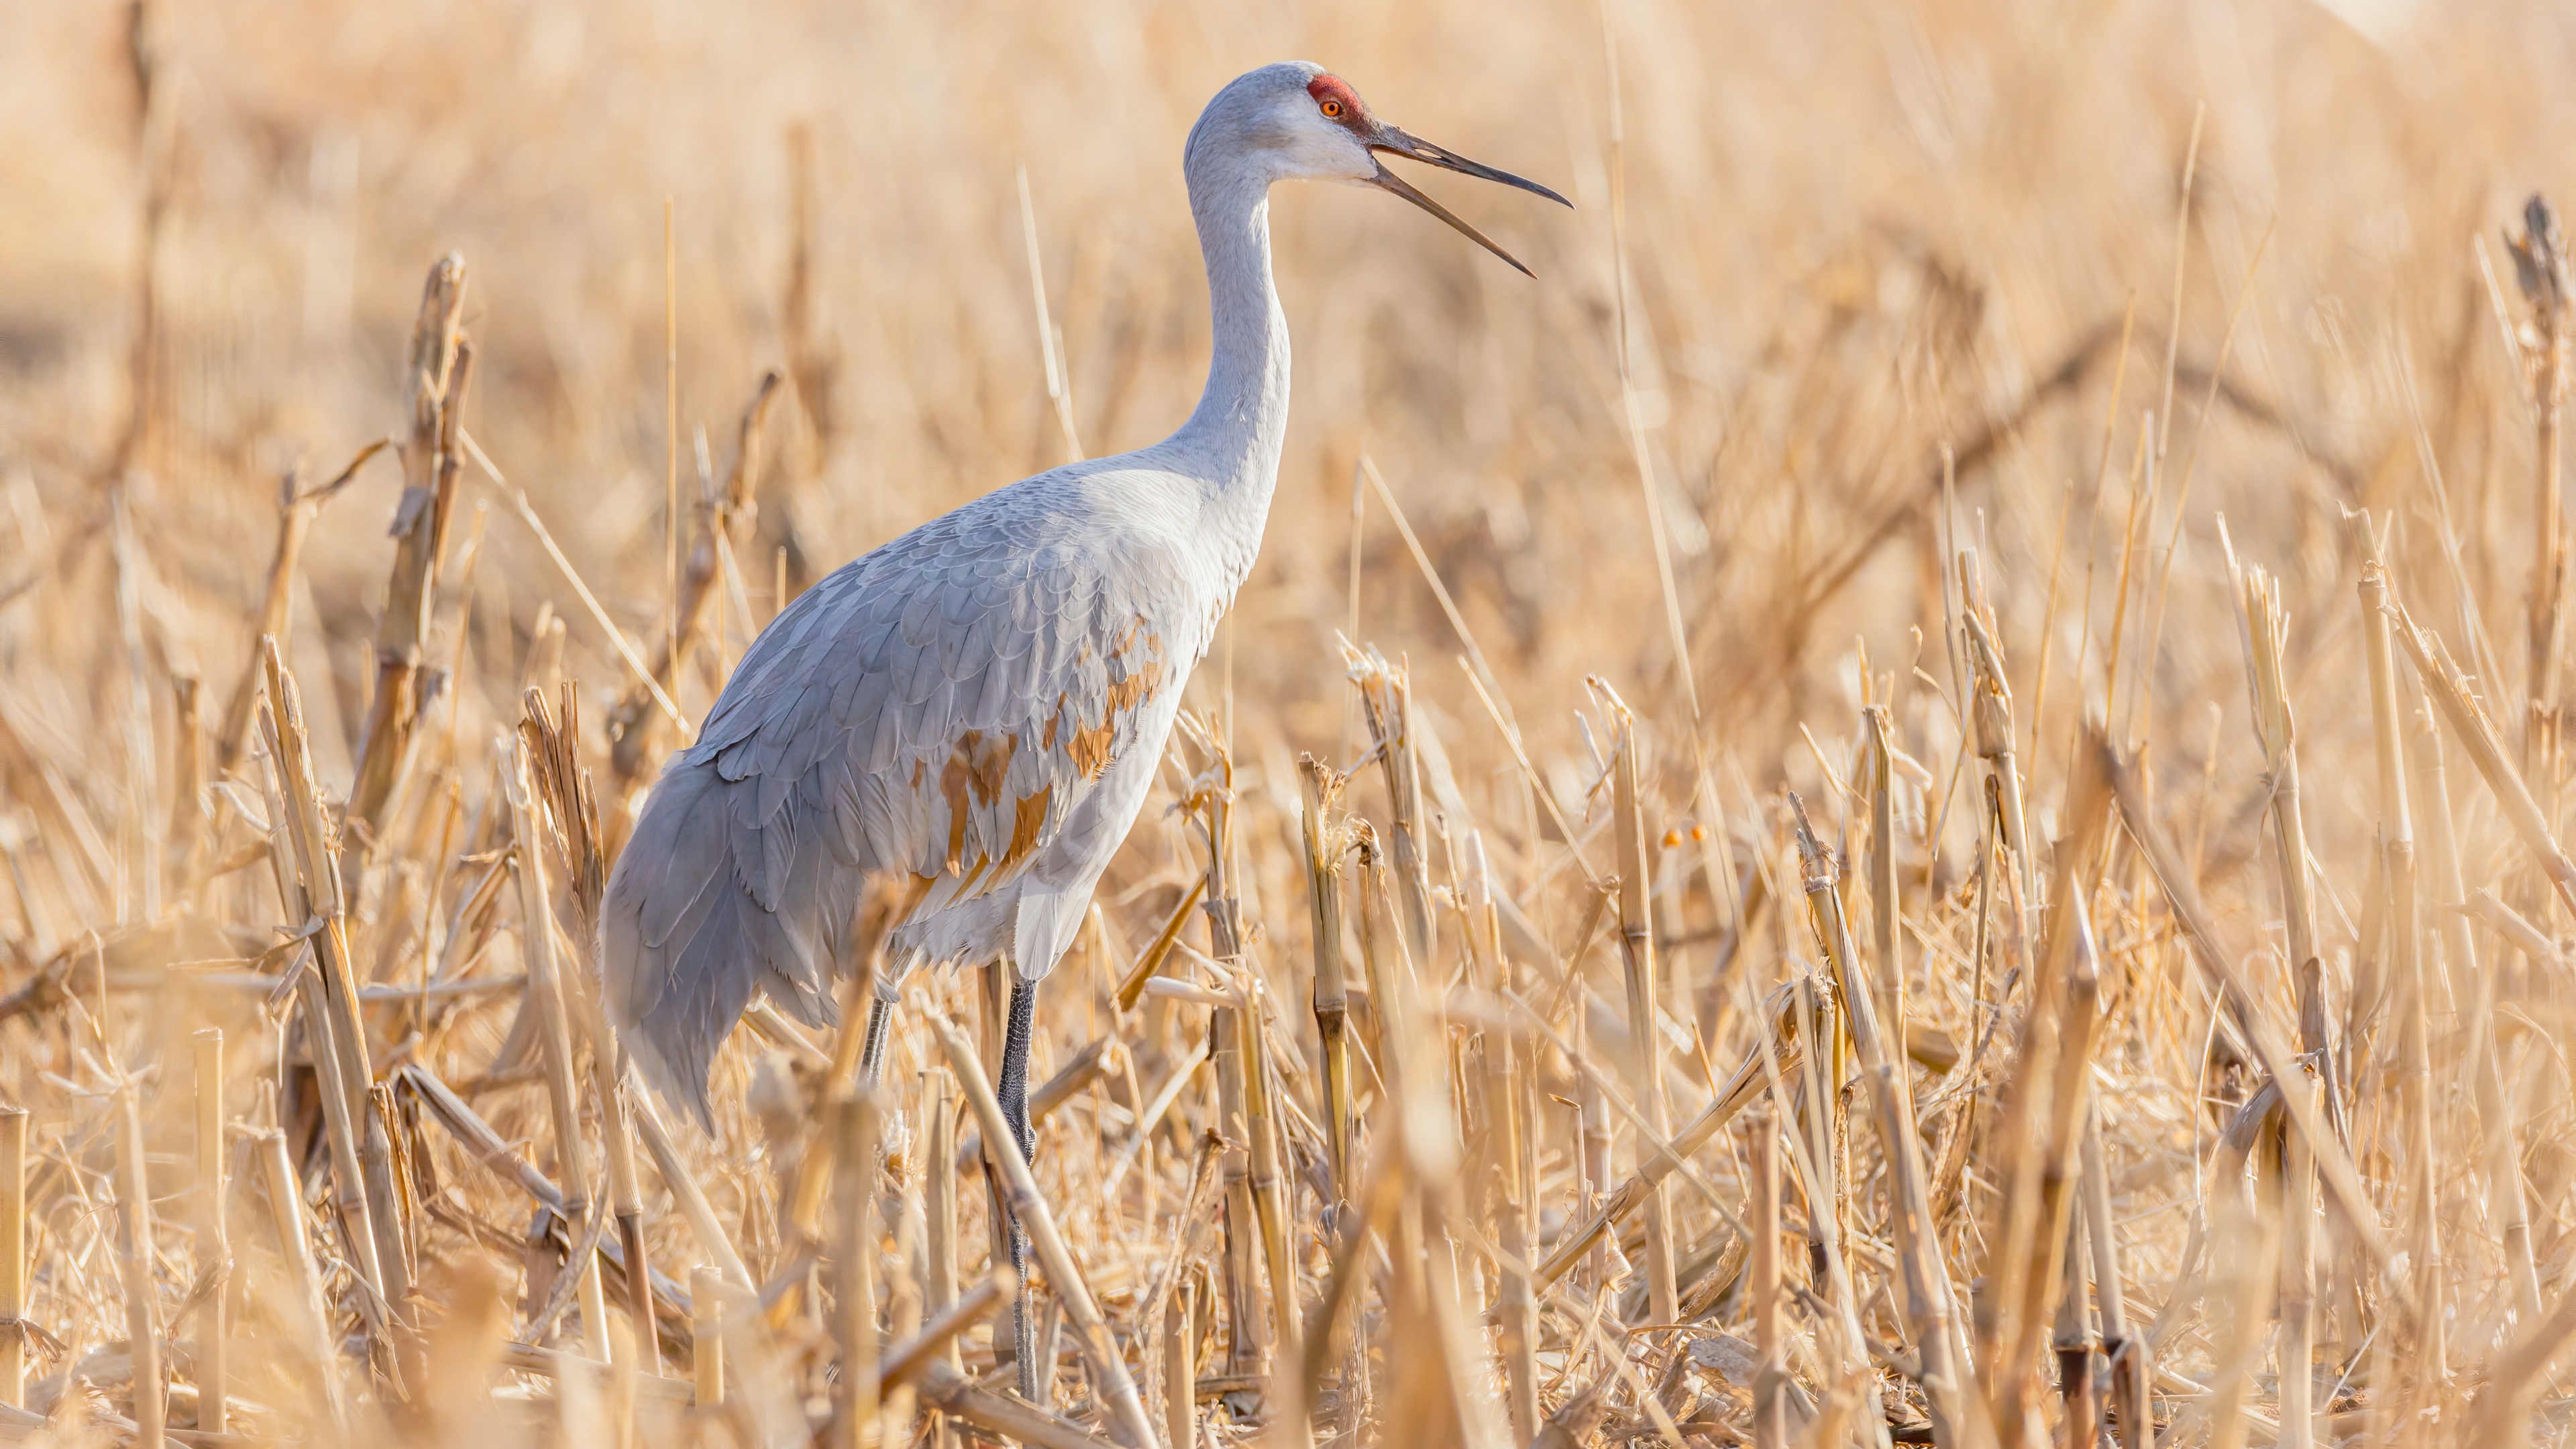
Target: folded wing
(935,710)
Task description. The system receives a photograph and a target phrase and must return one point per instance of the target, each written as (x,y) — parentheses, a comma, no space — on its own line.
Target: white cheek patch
(1326,152)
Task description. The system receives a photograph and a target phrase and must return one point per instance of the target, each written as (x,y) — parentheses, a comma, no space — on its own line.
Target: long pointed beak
(1394,142)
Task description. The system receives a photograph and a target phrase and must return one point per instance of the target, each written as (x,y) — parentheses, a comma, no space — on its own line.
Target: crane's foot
(1036,1380)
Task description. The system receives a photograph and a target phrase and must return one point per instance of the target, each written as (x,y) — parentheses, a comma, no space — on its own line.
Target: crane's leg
(872,1057)
(1013,1090)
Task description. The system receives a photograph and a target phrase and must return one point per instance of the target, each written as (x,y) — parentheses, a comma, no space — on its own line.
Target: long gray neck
(1232,440)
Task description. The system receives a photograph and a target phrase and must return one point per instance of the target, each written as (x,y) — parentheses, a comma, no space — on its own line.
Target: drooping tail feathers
(709,904)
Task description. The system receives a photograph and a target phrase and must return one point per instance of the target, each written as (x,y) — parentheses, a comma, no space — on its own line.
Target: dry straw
(1954,1039)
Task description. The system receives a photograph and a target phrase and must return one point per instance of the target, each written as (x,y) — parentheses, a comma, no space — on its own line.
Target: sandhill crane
(981,704)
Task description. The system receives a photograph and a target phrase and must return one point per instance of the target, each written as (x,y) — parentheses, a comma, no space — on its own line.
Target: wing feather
(940,709)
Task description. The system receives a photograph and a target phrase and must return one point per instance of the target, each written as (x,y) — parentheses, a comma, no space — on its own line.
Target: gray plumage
(980,704)
(977,705)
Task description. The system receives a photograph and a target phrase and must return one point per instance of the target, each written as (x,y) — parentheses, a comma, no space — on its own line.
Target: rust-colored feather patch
(1027,820)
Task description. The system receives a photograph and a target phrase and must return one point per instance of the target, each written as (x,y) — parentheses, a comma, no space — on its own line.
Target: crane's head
(1295,121)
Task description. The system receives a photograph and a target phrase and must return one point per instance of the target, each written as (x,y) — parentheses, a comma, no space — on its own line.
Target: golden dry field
(1918,798)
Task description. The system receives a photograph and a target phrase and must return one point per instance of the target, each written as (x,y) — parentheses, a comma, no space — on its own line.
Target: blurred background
(1814,246)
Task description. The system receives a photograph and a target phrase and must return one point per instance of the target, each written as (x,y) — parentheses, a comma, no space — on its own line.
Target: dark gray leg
(1013,1090)
(872,1058)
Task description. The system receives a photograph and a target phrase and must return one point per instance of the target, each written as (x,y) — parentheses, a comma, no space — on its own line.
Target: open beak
(1390,141)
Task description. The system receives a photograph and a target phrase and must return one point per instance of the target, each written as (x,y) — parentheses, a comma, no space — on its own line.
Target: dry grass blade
(2504,1410)
(912,1356)
(549,1001)
(304,1292)
(134,1266)
(555,772)
(2477,734)
(2334,1164)
(307,874)
(213,1341)
(1160,951)
(1741,1091)
(1331,996)
(725,521)
(1645,1030)
(440,365)
(854,1158)
(14,1336)
(624,647)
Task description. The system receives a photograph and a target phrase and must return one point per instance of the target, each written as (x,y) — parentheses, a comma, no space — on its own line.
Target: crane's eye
(1332,110)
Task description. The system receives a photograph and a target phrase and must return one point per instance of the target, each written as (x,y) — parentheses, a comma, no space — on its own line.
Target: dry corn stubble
(1508,1130)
